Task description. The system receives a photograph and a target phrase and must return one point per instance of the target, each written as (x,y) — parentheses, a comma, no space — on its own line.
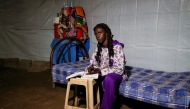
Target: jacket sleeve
(93,60)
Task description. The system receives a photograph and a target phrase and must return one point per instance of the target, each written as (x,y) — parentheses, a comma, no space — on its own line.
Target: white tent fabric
(156,33)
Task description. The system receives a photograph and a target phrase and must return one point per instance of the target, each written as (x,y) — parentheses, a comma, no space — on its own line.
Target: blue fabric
(64,51)
(61,71)
(168,89)
(75,54)
(87,44)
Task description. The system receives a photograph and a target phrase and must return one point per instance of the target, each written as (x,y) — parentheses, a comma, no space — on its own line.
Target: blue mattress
(61,71)
(168,89)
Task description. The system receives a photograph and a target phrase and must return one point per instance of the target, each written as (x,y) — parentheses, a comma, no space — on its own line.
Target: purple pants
(110,82)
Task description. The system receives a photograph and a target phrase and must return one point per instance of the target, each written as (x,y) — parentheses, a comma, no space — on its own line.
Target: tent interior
(155,32)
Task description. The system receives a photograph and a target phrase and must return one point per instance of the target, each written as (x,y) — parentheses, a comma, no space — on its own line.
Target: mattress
(168,89)
(61,71)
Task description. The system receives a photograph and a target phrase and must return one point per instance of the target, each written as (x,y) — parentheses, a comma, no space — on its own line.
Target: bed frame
(166,89)
(64,48)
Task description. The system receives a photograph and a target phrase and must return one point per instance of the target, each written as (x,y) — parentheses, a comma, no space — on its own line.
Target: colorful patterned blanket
(72,23)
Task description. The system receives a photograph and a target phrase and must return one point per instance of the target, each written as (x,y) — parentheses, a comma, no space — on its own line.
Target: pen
(92,67)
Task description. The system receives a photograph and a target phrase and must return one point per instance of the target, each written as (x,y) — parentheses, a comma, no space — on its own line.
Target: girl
(108,60)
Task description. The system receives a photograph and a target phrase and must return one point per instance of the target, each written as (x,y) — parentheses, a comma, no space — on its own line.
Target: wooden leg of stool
(76,94)
(91,95)
(87,97)
(67,95)
(98,96)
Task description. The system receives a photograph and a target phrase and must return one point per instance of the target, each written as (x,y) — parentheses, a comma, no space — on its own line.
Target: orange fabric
(79,11)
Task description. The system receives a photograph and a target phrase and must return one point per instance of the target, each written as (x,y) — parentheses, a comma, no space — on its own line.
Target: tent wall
(155,32)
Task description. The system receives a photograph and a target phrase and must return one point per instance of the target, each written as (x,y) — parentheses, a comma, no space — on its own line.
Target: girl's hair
(109,36)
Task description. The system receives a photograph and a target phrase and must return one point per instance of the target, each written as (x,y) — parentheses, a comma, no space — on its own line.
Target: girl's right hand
(90,69)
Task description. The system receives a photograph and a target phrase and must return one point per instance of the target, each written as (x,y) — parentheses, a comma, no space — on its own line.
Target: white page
(93,76)
(83,75)
(75,74)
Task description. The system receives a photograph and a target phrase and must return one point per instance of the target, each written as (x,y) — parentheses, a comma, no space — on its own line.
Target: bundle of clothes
(72,23)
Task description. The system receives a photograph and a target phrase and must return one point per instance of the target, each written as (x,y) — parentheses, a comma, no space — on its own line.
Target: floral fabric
(118,60)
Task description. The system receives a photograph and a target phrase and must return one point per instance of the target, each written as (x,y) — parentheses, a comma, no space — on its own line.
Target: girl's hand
(95,70)
(92,70)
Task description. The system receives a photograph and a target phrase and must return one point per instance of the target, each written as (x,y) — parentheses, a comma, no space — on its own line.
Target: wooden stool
(88,83)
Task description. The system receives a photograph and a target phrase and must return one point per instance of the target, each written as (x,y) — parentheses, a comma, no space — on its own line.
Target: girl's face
(100,35)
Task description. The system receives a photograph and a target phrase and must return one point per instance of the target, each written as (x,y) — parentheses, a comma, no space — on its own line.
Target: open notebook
(82,74)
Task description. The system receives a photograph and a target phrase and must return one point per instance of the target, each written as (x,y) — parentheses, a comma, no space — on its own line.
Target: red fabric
(79,33)
(56,35)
